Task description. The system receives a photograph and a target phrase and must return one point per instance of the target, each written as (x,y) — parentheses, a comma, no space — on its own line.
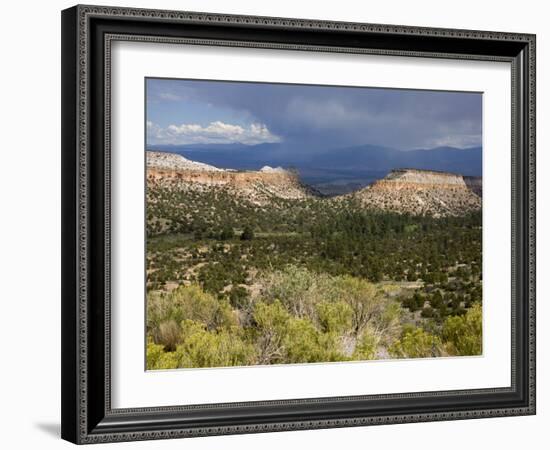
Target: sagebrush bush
(169,334)
(283,338)
(271,324)
(367,345)
(297,288)
(304,343)
(166,311)
(366,301)
(416,343)
(334,317)
(463,334)
(220,348)
(157,358)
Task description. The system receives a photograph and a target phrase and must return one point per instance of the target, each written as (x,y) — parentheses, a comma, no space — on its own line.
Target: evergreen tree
(227,233)
(247,234)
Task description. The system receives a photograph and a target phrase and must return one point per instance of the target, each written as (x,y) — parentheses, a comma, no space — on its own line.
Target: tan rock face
(258,186)
(424,177)
(415,191)
(233,178)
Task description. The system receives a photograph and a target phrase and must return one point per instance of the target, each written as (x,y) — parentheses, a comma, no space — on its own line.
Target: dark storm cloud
(320,117)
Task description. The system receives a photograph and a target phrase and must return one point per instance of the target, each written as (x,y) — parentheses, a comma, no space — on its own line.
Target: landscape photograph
(293,224)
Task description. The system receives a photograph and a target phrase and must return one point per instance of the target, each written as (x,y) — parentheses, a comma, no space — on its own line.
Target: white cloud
(458,141)
(214,133)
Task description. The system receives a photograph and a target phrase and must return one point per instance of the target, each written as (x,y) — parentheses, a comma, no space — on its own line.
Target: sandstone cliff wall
(420,192)
(215,178)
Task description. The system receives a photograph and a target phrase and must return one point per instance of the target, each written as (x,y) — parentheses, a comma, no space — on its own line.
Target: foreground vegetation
(234,283)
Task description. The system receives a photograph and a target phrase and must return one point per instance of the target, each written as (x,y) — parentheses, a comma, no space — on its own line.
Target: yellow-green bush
(388,323)
(219,348)
(334,317)
(297,288)
(463,334)
(192,303)
(203,348)
(271,325)
(157,358)
(304,343)
(366,346)
(416,343)
(282,338)
(366,301)
(166,311)
(271,316)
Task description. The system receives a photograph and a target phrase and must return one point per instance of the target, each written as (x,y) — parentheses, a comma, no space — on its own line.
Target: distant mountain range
(333,171)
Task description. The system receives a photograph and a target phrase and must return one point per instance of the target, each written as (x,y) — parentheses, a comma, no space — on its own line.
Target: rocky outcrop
(172,170)
(475,184)
(418,178)
(268,169)
(175,162)
(420,192)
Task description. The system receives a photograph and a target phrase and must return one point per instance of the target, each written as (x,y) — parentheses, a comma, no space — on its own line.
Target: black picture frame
(87,416)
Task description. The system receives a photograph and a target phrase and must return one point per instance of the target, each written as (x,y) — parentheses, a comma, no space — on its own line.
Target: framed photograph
(278,224)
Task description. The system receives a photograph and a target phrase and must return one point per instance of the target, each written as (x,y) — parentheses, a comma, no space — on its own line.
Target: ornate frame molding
(80,418)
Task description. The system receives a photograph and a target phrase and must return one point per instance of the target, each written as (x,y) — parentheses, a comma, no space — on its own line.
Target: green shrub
(281,338)
(334,317)
(365,300)
(165,312)
(416,343)
(238,297)
(227,233)
(219,348)
(247,234)
(157,358)
(463,334)
(297,288)
(271,325)
(304,343)
(366,346)
(388,324)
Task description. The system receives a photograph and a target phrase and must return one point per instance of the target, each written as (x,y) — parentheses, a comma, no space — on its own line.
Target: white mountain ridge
(173,161)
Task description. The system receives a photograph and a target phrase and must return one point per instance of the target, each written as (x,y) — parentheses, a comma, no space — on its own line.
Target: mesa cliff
(168,169)
(420,192)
